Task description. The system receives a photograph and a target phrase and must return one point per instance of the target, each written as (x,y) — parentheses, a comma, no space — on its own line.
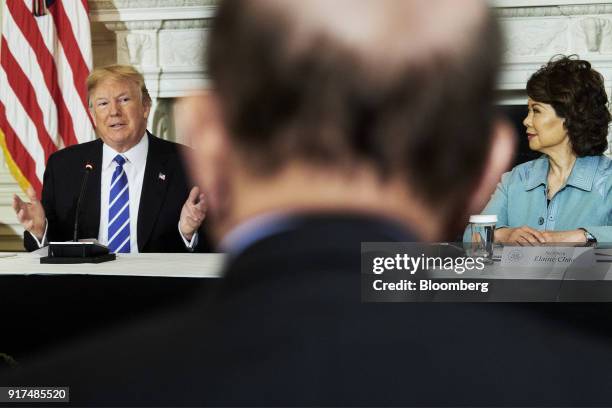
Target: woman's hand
(528,236)
(573,236)
(521,235)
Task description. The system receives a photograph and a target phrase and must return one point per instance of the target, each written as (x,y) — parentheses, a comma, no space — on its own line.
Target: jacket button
(541,221)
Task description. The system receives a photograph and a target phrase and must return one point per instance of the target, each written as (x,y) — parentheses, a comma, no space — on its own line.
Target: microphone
(88,169)
(74,252)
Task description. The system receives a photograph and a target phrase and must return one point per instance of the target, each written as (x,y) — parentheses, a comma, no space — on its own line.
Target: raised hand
(193,213)
(31,215)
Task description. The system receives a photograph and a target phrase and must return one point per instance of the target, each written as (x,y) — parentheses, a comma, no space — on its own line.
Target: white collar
(137,155)
(254,229)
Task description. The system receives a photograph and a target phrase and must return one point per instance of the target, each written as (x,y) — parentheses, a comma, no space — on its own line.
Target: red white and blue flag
(45,57)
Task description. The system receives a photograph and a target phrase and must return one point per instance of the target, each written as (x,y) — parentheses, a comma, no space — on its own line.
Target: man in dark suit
(337,123)
(137,197)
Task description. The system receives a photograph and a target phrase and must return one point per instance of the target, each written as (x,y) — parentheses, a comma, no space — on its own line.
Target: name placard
(548,256)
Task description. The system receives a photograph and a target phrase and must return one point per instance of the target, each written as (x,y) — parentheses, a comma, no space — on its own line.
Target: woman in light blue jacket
(566,194)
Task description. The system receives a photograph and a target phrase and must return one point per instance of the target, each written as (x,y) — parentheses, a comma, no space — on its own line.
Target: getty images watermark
(401,271)
(412,264)
(417,272)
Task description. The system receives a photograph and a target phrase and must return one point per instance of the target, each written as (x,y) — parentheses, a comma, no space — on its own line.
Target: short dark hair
(431,123)
(577,93)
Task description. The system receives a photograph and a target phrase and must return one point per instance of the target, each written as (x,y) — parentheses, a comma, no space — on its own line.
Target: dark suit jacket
(288,327)
(161,200)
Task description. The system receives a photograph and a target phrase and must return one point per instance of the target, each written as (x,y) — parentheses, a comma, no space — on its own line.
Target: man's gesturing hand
(193,213)
(31,215)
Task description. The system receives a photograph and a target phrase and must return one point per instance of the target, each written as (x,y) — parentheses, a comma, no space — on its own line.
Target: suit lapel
(89,221)
(154,187)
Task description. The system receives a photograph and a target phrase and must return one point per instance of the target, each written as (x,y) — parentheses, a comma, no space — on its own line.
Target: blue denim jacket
(585,201)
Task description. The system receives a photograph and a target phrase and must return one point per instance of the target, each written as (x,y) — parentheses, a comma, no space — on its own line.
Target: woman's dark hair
(577,93)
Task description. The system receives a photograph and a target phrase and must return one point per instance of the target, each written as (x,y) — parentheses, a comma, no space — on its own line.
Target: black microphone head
(88,166)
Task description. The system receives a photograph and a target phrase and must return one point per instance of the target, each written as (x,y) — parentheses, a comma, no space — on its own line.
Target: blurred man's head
(385,101)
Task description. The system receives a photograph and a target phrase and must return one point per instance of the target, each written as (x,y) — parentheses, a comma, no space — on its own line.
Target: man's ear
(498,161)
(147,110)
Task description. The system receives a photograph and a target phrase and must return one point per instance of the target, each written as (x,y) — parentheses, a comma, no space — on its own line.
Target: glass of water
(482,233)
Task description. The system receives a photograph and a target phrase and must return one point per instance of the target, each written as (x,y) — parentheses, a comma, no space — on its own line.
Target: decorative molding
(186,24)
(160,13)
(137,45)
(134,25)
(536,37)
(189,54)
(594,30)
(535,34)
(96,5)
(173,82)
(553,11)
(541,3)
(137,48)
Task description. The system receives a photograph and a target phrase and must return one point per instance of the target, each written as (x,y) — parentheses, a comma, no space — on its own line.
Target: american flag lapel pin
(162,176)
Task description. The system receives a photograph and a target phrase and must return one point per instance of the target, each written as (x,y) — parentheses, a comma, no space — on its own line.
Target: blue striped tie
(119,210)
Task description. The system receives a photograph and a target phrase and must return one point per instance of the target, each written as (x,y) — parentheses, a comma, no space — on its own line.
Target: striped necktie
(119,210)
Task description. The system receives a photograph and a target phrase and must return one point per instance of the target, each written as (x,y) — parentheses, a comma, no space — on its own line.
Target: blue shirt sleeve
(603,233)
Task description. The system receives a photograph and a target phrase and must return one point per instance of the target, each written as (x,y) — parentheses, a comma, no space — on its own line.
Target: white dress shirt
(134,166)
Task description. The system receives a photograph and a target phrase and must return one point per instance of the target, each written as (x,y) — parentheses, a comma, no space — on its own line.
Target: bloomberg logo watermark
(393,272)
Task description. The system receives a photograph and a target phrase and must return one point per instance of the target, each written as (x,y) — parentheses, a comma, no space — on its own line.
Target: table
(44,305)
(146,264)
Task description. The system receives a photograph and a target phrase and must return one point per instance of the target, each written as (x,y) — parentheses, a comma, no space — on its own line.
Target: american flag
(45,57)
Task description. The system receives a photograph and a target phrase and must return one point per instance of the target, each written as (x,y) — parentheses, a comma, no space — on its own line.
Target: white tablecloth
(149,264)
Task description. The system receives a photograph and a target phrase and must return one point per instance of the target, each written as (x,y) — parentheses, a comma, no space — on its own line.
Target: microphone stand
(74,252)
(88,168)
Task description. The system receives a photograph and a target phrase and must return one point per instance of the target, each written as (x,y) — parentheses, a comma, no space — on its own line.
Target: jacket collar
(581,177)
